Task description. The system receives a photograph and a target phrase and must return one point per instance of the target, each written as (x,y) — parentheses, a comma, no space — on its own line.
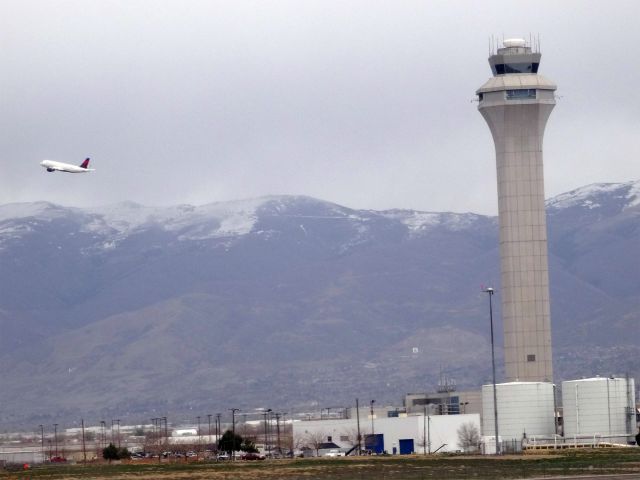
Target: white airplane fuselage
(53,166)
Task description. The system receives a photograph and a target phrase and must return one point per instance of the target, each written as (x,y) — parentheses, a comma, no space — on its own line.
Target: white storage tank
(523,407)
(599,407)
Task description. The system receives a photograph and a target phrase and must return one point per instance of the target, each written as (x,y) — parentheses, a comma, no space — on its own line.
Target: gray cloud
(364,103)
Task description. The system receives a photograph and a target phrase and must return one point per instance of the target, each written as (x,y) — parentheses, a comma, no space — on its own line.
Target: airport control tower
(516,103)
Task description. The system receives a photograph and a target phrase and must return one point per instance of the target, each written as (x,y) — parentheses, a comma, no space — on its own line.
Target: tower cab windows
(503,68)
(521,94)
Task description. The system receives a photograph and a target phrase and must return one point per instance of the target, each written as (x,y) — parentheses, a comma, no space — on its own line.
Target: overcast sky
(363,103)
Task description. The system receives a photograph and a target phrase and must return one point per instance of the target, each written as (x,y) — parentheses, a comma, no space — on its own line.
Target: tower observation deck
(516,103)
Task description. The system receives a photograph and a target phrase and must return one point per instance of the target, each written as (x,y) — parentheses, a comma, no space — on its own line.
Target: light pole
(489,290)
(218,428)
(371,407)
(233,432)
(266,431)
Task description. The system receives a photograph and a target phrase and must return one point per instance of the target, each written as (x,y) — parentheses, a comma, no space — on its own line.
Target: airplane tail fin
(85,164)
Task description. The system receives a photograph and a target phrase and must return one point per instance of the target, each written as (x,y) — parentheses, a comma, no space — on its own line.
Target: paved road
(627,476)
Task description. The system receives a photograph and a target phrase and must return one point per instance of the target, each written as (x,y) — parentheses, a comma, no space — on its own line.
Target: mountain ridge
(293,302)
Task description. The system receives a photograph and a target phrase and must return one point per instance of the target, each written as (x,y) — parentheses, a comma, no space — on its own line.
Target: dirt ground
(412,467)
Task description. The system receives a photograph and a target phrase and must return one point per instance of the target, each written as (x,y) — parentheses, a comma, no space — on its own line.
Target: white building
(395,435)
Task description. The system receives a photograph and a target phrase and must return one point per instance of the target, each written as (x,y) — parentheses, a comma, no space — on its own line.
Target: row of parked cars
(191,454)
(242,456)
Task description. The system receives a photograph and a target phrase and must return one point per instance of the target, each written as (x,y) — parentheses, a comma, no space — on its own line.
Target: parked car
(252,456)
(222,456)
(334,453)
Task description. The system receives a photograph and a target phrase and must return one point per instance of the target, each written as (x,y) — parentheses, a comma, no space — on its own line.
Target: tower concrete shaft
(516,103)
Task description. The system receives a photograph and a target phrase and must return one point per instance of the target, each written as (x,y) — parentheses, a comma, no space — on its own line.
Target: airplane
(53,166)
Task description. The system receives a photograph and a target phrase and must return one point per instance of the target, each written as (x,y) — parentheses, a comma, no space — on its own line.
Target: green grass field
(415,467)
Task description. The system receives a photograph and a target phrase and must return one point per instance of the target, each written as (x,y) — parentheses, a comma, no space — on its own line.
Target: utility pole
(278,433)
(424,430)
(358,424)
(429,433)
(84,445)
(103,437)
(209,432)
(55,437)
(156,432)
(118,423)
(42,441)
(233,432)
(199,436)
(166,430)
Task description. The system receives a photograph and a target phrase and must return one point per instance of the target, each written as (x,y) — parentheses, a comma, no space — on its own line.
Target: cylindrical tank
(523,408)
(599,406)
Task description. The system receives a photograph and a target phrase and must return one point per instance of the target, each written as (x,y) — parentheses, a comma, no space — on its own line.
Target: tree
(110,453)
(114,453)
(314,440)
(124,453)
(248,446)
(468,436)
(229,443)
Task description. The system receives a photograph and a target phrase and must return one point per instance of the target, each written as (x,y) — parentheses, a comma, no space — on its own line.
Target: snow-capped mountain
(287,300)
(624,195)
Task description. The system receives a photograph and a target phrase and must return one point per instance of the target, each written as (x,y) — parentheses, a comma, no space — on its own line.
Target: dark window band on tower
(522,93)
(503,68)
